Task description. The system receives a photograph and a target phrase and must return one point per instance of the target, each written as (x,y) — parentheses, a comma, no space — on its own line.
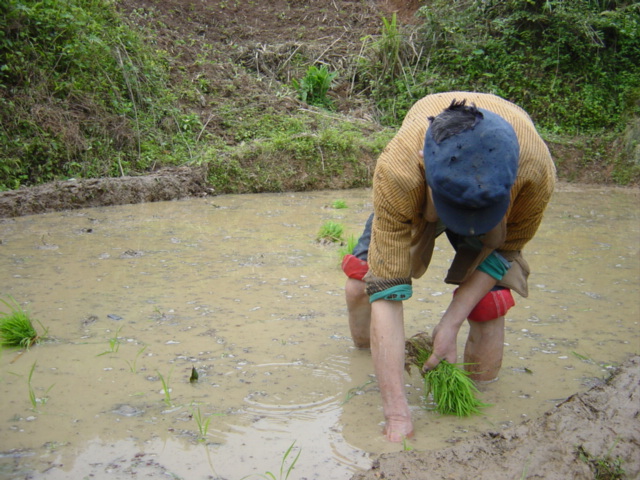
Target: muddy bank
(163,185)
(598,429)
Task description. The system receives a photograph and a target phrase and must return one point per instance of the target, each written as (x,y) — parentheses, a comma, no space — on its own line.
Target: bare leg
(484,349)
(359,312)
(387,350)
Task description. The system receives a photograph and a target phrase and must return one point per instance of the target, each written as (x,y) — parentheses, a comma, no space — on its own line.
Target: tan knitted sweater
(400,194)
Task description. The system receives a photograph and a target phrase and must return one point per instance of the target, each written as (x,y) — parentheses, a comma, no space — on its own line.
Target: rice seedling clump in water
(454,393)
(16,328)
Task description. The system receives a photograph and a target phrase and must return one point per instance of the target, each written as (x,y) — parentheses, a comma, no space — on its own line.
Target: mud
(166,184)
(569,441)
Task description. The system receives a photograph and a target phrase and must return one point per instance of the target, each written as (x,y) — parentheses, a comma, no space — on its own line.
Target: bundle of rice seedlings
(454,393)
(16,328)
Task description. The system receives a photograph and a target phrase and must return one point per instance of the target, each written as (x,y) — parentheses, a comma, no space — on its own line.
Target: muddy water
(236,287)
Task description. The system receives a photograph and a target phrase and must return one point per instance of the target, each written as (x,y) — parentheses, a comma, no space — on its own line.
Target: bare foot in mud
(398,429)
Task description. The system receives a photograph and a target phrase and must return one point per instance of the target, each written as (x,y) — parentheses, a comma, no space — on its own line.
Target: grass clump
(454,393)
(331,232)
(16,326)
(605,467)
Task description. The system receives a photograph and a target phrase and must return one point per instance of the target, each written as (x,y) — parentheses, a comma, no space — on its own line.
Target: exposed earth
(580,438)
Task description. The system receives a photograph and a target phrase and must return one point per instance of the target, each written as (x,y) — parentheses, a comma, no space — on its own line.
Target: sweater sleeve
(398,199)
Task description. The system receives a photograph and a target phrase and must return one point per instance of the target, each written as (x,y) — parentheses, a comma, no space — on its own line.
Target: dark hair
(456,118)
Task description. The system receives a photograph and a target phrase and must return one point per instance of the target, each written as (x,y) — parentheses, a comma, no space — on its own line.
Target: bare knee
(359,312)
(354,291)
(484,349)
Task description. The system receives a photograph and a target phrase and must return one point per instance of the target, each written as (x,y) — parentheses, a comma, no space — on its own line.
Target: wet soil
(564,443)
(163,185)
(584,433)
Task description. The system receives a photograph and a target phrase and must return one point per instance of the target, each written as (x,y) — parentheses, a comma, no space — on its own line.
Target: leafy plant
(315,85)
(16,327)
(339,204)
(330,232)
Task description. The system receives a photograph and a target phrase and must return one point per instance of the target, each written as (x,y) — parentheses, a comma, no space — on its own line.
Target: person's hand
(444,345)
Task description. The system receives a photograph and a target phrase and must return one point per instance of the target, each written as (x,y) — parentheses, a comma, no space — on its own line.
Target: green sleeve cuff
(396,293)
(495,265)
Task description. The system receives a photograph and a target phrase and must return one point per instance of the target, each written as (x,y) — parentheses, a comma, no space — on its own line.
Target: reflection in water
(237,287)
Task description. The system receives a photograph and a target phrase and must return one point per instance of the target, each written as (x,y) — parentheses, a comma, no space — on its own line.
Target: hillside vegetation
(291,95)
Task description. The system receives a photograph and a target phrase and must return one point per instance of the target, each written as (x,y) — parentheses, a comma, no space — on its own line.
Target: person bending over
(472,166)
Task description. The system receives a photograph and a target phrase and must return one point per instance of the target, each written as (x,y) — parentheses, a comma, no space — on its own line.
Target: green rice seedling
(202,422)
(271,476)
(406,446)
(32,393)
(114,344)
(284,474)
(331,232)
(132,365)
(339,204)
(348,246)
(166,390)
(16,327)
(454,393)
(352,392)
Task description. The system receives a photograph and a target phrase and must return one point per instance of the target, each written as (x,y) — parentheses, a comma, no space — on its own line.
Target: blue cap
(471,174)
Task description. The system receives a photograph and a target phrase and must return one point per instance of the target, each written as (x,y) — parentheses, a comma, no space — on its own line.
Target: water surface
(237,287)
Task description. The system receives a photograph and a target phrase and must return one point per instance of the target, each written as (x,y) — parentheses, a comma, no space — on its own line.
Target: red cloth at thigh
(494,304)
(353,267)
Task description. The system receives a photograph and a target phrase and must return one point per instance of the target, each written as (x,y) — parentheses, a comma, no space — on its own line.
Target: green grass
(16,326)
(604,467)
